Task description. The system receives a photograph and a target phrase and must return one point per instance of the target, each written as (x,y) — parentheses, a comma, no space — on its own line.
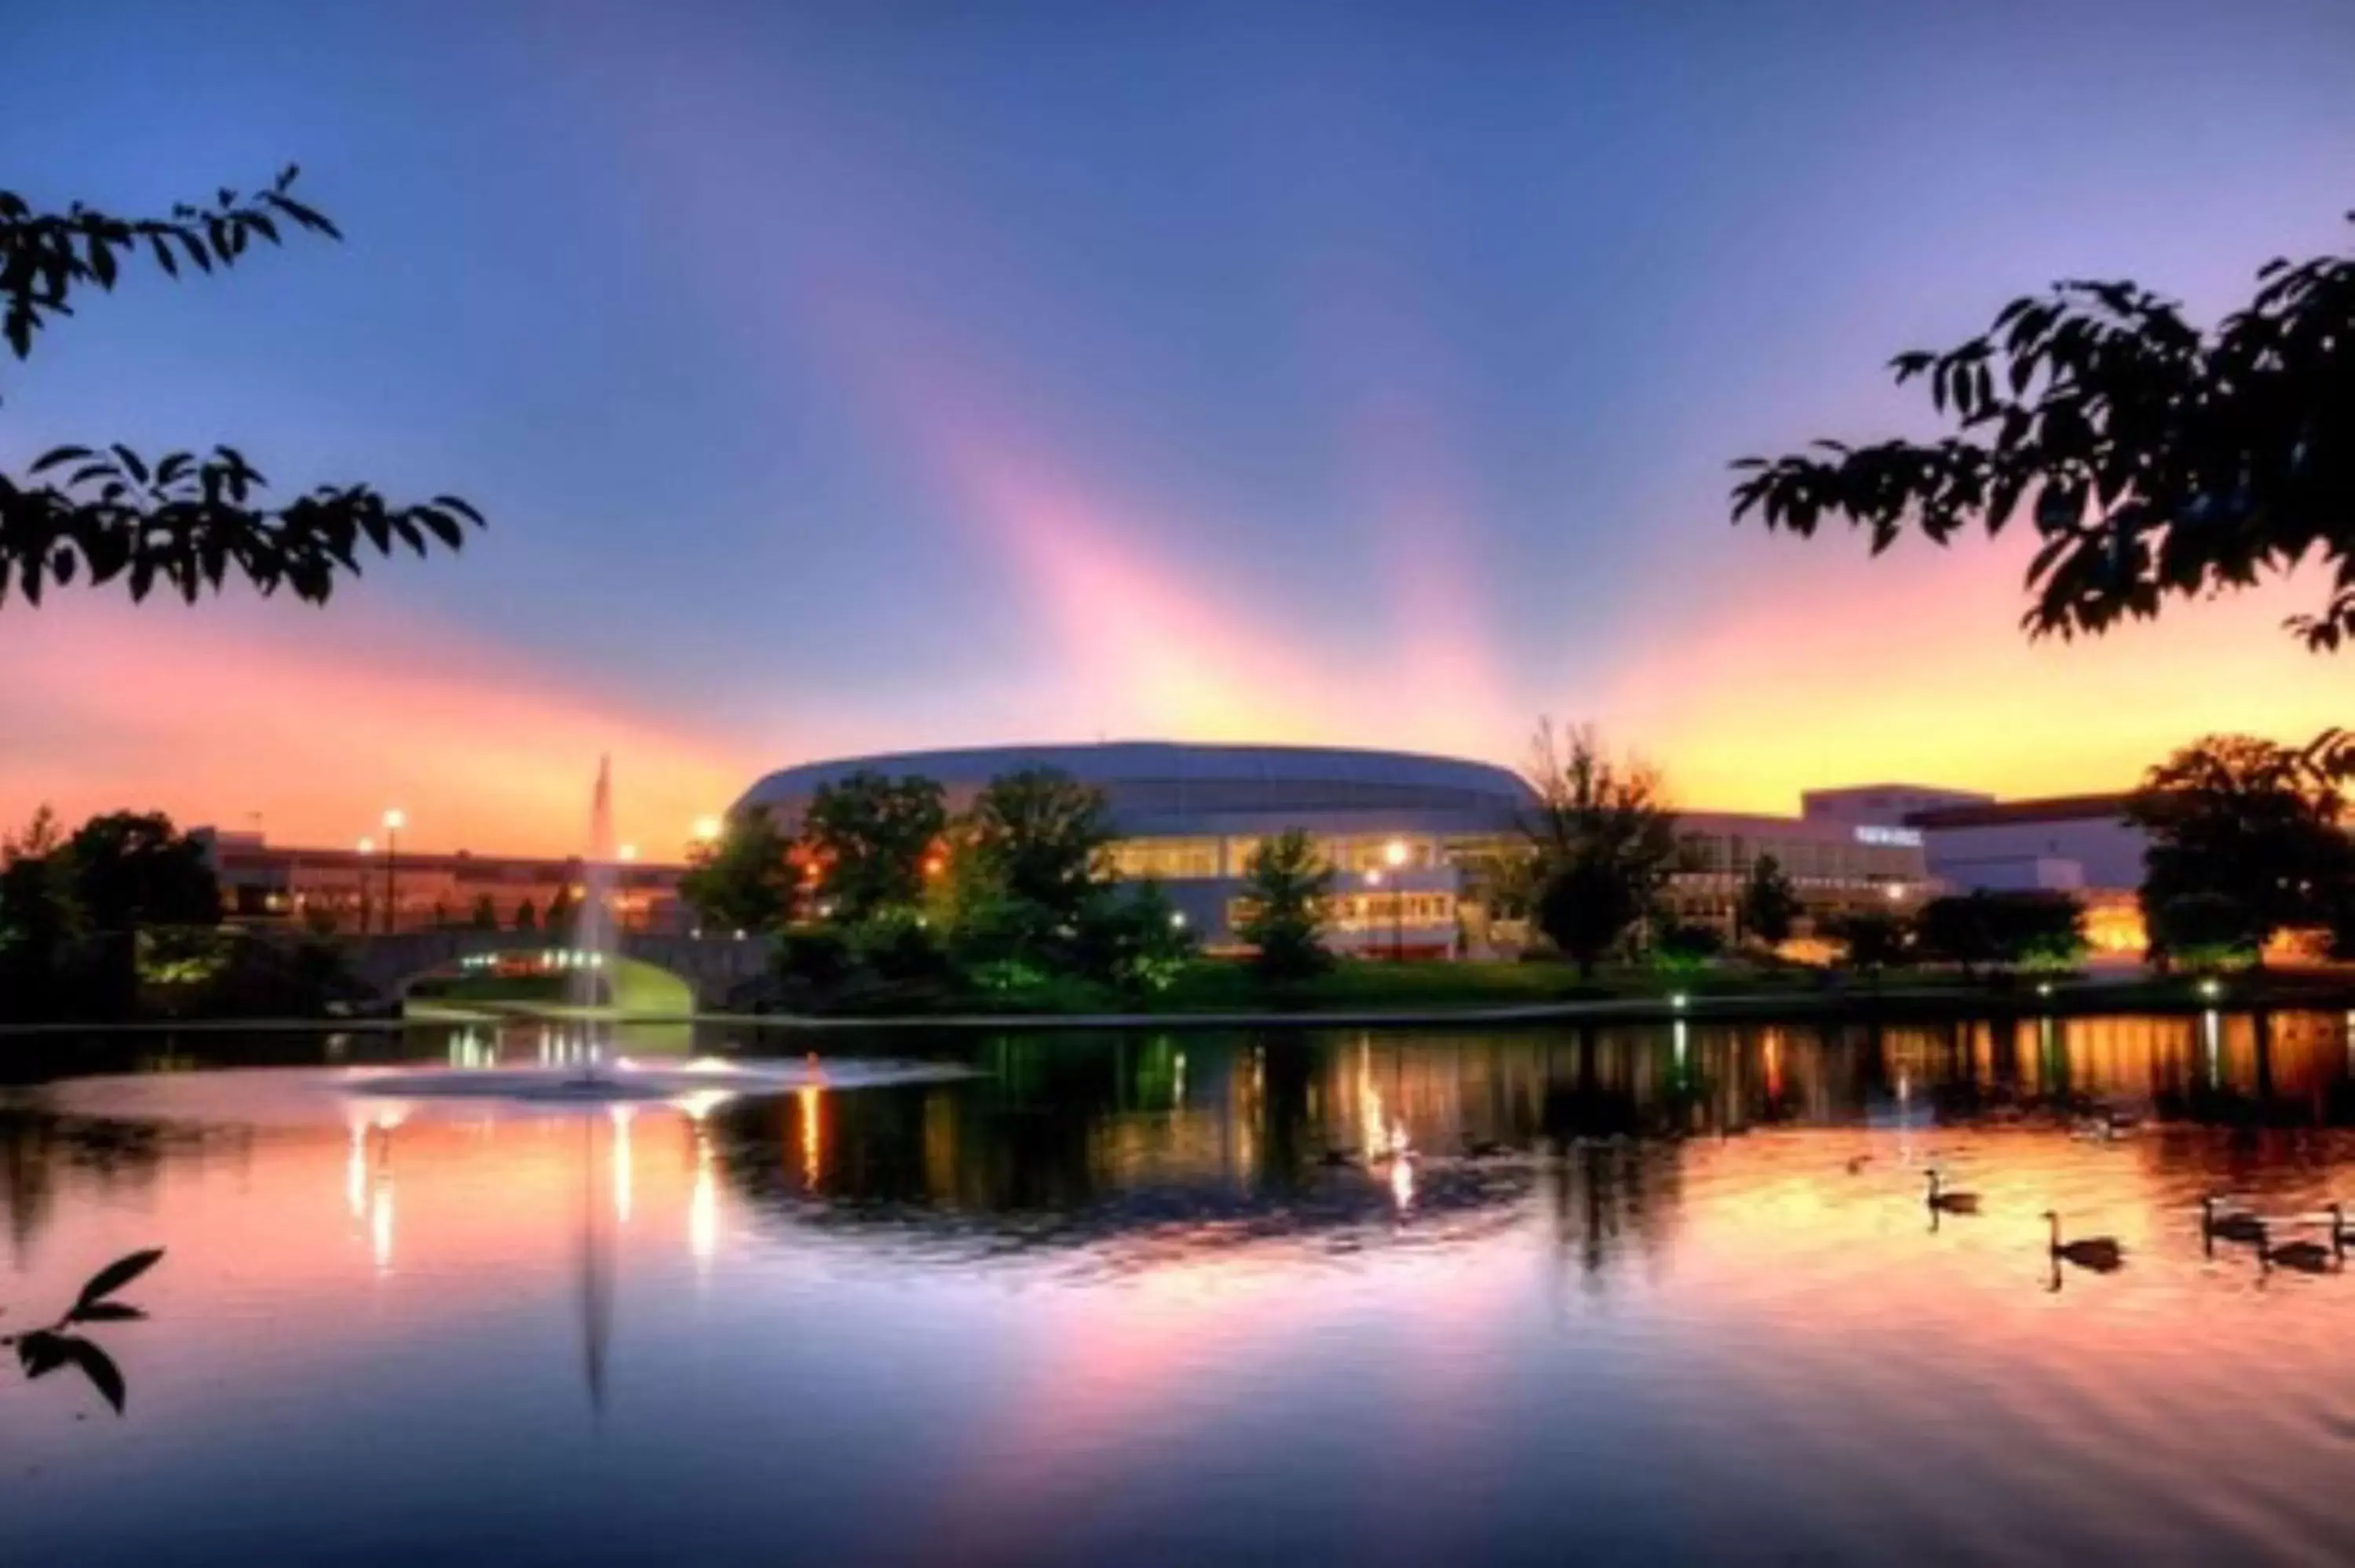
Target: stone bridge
(711,967)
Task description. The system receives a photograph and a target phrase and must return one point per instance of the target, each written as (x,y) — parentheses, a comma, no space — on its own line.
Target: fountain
(594,937)
(591,998)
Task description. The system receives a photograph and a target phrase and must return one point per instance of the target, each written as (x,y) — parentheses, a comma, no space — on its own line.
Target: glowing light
(621,1174)
(1896,892)
(1177,920)
(380,1220)
(1678,1000)
(627,852)
(706,829)
(367,846)
(2211,989)
(806,1099)
(703,1209)
(700,1103)
(356,1171)
(1373,879)
(1394,853)
(395,818)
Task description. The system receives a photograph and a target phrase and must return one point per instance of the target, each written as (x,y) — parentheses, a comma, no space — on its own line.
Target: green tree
(2001,930)
(1286,891)
(1042,838)
(1875,939)
(744,879)
(36,919)
(563,914)
(527,916)
(486,913)
(1134,938)
(1769,907)
(871,837)
(2245,819)
(1602,839)
(1681,947)
(105,514)
(2203,931)
(129,869)
(2155,460)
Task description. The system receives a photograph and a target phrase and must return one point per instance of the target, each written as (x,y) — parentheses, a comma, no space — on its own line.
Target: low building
(1836,866)
(1397,827)
(352,891)
(2079,844)
(1404,831)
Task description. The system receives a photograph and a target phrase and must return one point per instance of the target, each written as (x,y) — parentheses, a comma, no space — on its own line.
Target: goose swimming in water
(2100,1254)
(1941,1202)
(2240,1225)
(2303,1256)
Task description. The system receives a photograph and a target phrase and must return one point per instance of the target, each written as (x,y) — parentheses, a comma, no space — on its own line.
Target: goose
(2302,1256)
(1941,1202)
(2238,1226)
(2100,1254)
(1857,1162)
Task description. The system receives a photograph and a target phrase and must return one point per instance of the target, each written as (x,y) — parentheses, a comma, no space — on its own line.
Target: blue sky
(888,376)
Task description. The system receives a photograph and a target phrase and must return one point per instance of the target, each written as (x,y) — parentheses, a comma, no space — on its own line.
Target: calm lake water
(1636,1294)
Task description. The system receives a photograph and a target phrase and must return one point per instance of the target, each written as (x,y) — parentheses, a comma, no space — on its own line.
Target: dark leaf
(56,455)
(117,1274)
(40,1353)
(100,1368)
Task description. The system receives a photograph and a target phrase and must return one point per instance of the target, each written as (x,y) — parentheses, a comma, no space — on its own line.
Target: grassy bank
(1420,990)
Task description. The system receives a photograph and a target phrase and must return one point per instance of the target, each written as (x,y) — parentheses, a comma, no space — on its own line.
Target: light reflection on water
(1636,1292)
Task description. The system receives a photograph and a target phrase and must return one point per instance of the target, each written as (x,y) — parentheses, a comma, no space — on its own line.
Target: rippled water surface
(1622,1294)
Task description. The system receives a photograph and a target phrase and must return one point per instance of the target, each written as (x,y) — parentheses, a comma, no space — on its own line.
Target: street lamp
(394,820)
(366,847)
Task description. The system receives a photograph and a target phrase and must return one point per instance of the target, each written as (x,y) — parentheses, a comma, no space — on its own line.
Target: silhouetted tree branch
(2155,461)
(104,513)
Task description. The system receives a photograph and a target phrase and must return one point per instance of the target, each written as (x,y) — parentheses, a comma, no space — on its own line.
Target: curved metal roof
(1167,788)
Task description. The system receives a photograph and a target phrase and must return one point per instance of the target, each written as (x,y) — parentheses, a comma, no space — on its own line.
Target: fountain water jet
(594,938)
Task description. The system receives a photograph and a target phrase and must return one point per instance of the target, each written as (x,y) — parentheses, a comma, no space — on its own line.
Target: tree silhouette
(1769,906)
(105,514)
(1604,839)
(2240,824)
(2156,461)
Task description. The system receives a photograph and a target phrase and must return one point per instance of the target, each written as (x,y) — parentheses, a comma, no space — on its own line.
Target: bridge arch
(653,975)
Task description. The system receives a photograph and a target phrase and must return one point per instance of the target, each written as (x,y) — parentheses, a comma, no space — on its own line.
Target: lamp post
(1373,880)
(394,820)
(1394,853)
(366,847)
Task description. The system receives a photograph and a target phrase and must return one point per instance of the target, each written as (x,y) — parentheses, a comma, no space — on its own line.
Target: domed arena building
(1397,826)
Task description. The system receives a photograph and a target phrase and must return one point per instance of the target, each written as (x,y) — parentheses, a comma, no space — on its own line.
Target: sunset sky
(843,378)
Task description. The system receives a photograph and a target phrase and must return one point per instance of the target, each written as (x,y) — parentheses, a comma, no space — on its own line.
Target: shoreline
(2325,992)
